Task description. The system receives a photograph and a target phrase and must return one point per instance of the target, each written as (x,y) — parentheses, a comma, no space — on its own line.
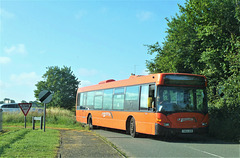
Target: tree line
(204,38)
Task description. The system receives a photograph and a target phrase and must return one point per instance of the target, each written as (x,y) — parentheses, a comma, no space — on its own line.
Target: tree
(62,83)
(204,38)
(179,52)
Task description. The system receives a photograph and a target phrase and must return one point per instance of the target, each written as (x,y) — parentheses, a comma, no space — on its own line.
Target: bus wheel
(132,128)
(89,122)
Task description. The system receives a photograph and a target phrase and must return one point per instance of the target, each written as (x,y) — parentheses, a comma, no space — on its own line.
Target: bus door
(146,123)
(147,101)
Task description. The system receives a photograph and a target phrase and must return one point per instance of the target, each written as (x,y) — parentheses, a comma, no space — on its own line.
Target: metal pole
(25,121)
(44,124)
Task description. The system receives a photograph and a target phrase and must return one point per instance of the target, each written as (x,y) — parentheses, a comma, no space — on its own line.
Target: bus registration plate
(187,131)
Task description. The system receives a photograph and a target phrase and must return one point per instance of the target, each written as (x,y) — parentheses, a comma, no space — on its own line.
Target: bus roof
(133,80)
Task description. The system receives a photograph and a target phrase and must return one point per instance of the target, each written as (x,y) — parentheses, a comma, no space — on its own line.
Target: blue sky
(99,40)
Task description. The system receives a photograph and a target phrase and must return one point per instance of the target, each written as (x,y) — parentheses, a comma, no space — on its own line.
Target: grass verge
(16,142)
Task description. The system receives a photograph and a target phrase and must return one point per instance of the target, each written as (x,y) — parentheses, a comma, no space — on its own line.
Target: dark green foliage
(224,123)
(63,83)
(204,38)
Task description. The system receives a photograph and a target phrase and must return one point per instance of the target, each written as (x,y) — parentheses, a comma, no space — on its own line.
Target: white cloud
(6,14)
(87,72)
(5,60)
(145,72)
(16,49)
(25,79)
(85,83)
(144,15)
(80,14)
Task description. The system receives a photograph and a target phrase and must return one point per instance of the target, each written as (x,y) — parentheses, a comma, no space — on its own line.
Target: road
(183,146)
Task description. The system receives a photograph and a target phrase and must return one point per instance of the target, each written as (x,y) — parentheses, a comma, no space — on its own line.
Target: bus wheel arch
(128,124)
(132,128)
(89,121)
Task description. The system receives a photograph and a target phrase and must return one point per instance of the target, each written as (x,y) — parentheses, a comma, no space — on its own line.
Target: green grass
(16,141)
(20,142)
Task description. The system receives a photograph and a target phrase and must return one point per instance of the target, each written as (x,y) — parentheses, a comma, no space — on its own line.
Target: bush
(60,116)
(225,124)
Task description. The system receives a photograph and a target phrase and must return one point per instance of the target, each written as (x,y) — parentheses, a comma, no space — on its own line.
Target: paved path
(84,144)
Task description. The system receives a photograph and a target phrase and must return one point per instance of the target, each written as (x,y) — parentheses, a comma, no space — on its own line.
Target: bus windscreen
(181,99)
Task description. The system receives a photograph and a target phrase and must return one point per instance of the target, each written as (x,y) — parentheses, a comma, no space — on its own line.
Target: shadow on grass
(10,138)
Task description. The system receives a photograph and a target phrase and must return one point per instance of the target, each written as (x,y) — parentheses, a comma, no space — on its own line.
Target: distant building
(7,100)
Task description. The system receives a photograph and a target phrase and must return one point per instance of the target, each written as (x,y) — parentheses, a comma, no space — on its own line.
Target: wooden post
(44,124)
(41,122)
(25,120)
(33,123)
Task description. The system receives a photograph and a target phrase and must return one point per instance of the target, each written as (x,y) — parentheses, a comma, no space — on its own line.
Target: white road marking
(205,152)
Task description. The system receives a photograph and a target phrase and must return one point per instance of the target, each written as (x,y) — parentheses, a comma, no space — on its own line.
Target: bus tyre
(90,122)
(132,128)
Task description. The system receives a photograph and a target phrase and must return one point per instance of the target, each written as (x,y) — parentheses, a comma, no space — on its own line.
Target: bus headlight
(204,124)
(166,124)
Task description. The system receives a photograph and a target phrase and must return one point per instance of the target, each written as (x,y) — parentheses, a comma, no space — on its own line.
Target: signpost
(25,107)
(45,97)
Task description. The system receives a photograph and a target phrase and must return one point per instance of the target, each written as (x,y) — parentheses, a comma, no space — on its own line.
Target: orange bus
(155,104)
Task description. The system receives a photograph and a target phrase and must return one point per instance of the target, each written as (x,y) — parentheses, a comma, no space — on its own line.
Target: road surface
(183,146)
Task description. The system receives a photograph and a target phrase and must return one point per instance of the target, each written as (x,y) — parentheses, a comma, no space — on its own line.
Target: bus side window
(144,97)
(98,102)
(98,99)
(107,99)
(90,99)
(83,97)
(132,98)
(118,98)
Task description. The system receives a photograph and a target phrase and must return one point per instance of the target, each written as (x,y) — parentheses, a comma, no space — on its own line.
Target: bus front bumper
(161,130)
